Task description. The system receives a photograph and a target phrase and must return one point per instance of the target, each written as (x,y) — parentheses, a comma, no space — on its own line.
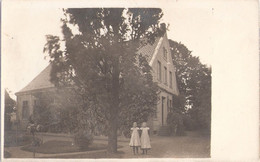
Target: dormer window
(164,53)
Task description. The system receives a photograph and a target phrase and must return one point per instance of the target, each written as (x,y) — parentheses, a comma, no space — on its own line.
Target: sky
(25,28)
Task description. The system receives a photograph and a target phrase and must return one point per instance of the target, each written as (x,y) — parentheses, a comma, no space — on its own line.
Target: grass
(97,155)
(195,144)
(192,145)
(12,139)
(7,154)
(55,147)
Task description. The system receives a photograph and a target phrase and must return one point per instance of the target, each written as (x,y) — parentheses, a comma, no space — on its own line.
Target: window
(164,53)
(155,114)
(165,75)
(25,111)
(170,73)
(168,105)
(159,71)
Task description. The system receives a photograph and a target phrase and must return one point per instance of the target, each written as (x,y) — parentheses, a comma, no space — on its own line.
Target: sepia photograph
(106,82)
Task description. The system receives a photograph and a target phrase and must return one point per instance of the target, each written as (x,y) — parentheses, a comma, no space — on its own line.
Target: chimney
(162,29)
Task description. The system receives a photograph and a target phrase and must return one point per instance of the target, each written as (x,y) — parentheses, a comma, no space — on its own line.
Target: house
(159,57)
(26,99)
(163,71)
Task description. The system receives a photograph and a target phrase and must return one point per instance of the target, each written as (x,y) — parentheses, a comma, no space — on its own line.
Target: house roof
(148,50)
(41,81)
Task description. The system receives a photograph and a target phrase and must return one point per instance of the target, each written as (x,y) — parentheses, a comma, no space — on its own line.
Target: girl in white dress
(145,139)
(135,139)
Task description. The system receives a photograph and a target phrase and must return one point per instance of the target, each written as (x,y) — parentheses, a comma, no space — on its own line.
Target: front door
(163,98)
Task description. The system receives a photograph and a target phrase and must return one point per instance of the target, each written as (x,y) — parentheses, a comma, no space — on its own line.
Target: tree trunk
(112,135)
(113,121)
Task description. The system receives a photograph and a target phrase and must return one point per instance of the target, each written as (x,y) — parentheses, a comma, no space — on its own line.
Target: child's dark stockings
(135,149)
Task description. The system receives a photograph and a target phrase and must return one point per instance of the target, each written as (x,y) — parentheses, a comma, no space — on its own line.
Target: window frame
(159,71)
(170,77)
(25,109)
(165,53)
(165,76)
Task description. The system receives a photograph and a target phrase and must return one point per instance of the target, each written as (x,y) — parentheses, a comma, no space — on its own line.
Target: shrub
(11,140)
(189,123)
(175,124)
(7,154)
(126,133)
(8,123)
(83,139)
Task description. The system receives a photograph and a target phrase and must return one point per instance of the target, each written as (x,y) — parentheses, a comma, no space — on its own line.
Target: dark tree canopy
(9,103)
(9,108)
(194,83)
(99,61)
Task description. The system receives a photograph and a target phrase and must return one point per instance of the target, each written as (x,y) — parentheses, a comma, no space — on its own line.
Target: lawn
(55,147)
(193,145)
(7,154)
(11,138)
(96,155)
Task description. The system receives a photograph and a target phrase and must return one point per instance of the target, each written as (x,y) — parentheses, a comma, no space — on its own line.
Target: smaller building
(26,99)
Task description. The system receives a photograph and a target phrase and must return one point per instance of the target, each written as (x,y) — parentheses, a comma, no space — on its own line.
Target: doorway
(163,98)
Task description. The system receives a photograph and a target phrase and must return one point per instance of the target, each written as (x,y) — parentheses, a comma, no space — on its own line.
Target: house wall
(164,63)
(20,99)
(166,91)
(28,96)
(161,112)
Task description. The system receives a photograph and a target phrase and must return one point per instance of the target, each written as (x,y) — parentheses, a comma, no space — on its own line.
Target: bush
(175,124)
(189,123)
(83,139)
(7,154)
(8,123)
(10,140)
(126,133)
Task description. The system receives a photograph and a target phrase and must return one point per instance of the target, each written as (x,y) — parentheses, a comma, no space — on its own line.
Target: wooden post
(16,133)
(33,146)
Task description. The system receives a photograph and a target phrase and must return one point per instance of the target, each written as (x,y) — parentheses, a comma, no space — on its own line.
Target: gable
(165,62)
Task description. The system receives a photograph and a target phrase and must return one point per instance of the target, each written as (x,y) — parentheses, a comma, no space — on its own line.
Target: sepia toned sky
(26,24)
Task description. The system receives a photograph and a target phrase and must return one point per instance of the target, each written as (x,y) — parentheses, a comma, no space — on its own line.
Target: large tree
(99,61)
(194,83)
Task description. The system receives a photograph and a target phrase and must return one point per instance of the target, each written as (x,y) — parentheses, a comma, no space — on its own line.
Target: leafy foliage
(83,139)
(175,124)
(45,112)
(9,108)
(100,63)
(194,83)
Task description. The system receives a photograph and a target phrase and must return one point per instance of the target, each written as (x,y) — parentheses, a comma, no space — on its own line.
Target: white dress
(145,139)
(135,139)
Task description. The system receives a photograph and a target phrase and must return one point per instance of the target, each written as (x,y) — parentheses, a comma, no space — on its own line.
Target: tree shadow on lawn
(56,147)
